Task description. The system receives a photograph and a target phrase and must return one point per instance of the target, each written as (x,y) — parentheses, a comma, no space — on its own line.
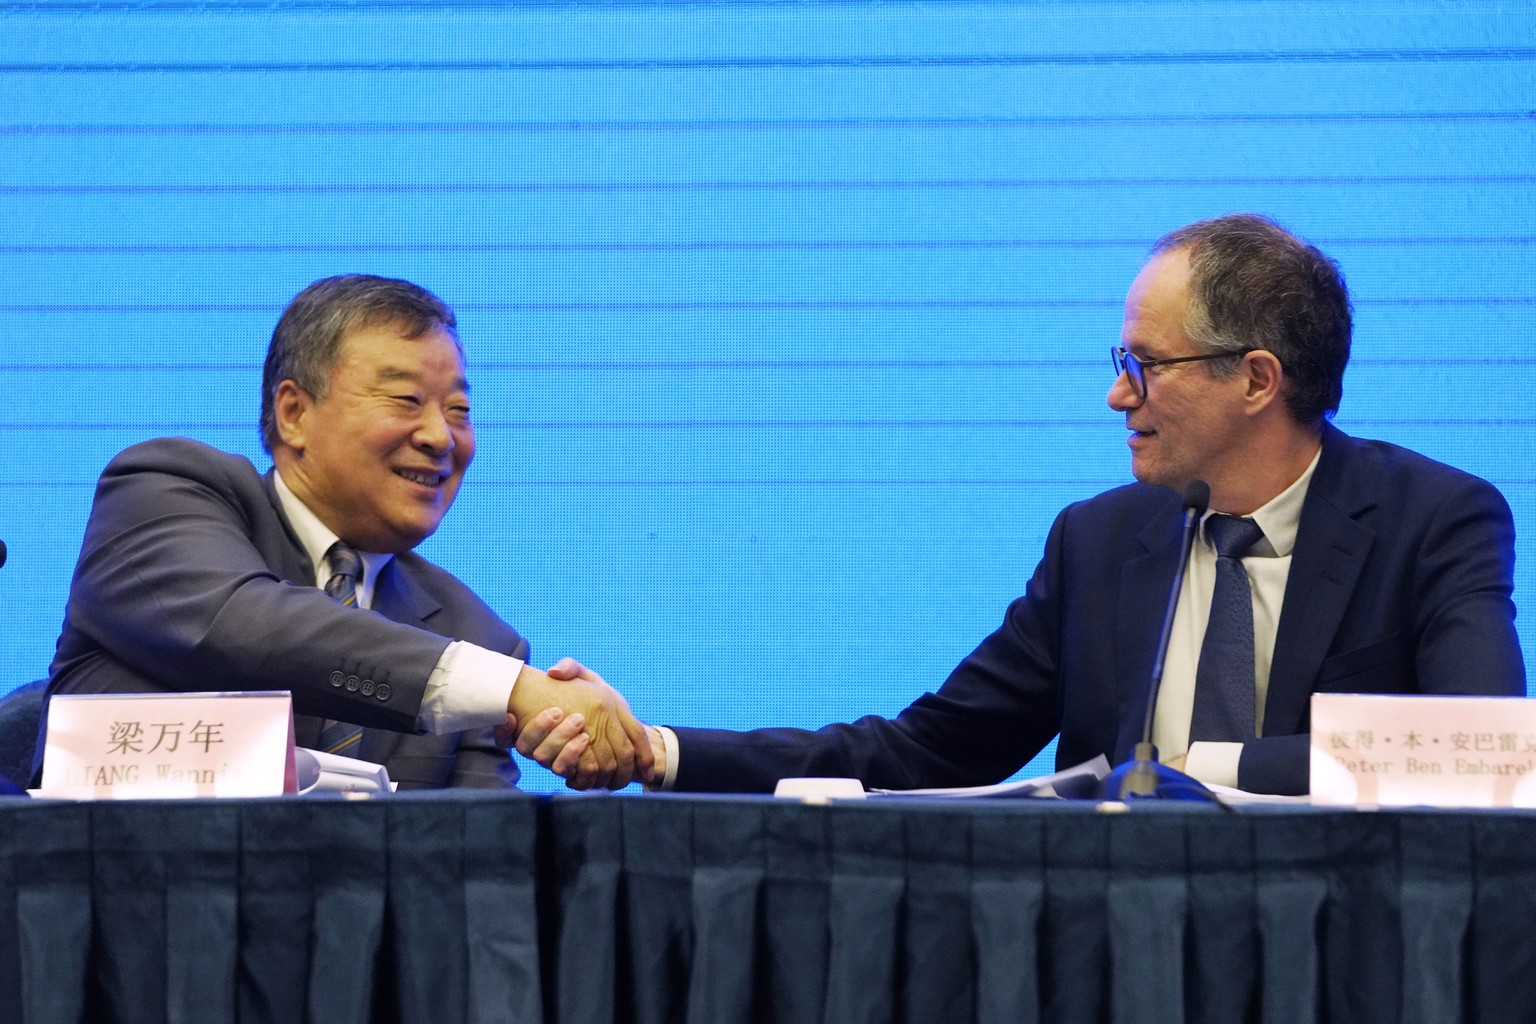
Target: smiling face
(1191,424)
(380,458)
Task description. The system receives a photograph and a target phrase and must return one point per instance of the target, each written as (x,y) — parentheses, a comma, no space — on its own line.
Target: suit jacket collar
(400,598)
(1145,581)
(292,562)
(1331,548)
(396,595)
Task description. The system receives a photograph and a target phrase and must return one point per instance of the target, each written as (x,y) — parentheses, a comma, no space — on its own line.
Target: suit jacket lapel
(292,562)
(397,597)
(1144,583)
(1331,548)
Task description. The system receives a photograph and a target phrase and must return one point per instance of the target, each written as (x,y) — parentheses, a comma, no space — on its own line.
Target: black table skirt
(467,907)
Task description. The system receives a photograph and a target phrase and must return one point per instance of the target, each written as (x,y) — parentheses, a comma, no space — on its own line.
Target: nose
(1122,394)
(433,433)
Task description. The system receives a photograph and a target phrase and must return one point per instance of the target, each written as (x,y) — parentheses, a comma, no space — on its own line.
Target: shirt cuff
(1214,764)
(468,689)
(668,777)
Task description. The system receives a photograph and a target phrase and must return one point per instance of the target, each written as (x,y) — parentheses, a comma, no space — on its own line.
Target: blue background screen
(788,323)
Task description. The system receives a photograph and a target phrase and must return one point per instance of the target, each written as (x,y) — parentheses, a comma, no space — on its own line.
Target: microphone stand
(1144,776)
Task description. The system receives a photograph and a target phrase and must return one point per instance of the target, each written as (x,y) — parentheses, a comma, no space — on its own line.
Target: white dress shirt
(470,686)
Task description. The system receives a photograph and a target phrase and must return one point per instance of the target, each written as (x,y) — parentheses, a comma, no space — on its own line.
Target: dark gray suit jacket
(1400,583)
(191,579)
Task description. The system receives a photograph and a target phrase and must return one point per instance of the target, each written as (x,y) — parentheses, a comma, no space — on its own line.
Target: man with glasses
(1327,563)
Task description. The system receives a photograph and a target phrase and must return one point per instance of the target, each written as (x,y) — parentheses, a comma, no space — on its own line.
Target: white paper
(1076,783)
(320,772)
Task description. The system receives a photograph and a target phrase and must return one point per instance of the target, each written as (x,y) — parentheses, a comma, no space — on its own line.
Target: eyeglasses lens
(1130,366)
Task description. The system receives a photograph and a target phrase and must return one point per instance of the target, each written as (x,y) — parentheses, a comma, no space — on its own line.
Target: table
(471,907)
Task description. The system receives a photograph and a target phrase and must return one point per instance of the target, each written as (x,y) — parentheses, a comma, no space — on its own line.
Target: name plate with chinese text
(1397,751)
(155,745)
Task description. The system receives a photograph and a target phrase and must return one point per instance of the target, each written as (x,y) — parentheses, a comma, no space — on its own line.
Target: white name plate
(1395,751)
(136,746)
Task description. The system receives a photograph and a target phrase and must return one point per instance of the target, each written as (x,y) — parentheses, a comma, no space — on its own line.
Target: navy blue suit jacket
(191,579)
(1400,582)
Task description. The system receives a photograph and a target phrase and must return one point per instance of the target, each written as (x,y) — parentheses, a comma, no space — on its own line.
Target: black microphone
(1143,775)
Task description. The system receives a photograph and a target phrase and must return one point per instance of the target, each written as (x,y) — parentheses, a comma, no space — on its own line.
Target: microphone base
(1143,777)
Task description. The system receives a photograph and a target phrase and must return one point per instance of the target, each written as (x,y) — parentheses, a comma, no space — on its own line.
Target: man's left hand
(552,738)
(590,763)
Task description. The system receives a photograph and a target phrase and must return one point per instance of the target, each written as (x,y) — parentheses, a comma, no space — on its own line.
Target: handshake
(573,723)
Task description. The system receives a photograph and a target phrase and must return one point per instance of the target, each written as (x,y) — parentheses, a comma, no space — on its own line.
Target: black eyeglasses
(1135,368)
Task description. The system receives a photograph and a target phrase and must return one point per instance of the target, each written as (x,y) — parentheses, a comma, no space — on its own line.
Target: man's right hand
(558,744)
(618,749)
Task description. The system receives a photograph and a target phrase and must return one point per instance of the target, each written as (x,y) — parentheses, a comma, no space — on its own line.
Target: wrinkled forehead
(1158,299)
(389,352)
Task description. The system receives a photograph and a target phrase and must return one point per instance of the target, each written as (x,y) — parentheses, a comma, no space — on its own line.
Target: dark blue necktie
(346,569)
(1224,708)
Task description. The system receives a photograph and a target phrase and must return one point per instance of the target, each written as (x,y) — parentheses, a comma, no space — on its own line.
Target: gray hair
(1257,286)
(307,339)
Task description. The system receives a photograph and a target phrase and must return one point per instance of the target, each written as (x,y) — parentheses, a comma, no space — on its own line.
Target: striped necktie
(346,569)
(1224,684)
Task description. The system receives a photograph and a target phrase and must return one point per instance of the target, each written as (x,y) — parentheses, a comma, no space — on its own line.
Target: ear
(1265,378)
(291,407)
